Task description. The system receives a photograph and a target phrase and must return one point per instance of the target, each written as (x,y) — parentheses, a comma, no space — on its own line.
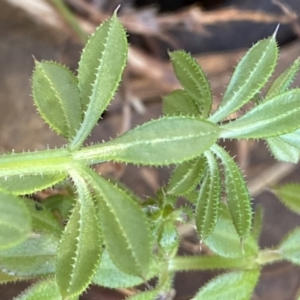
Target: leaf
(99,73)
(159,142)
(168,238)
(61,204)
(15,221)
(274,117)
(249,77)
(289,247)
(282,83)
(43,221)
(56,96)
(237,194)
(124,226)
(34,257)
(110,276)
(186,176)
(225,241)
(80,247)
(237,285)
(292,138)
(28,184)
(257,222)
(45,289)
(283,151)
(192,79)
(289,195)
(178,103)
(207,207)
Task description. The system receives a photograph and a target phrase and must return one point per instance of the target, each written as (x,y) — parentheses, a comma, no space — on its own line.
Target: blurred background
(216,32)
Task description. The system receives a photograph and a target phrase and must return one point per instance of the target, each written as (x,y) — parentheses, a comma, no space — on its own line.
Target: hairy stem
(211,262)
(39,162)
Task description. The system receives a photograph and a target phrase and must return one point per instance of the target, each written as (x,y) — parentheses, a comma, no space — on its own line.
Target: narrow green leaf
(124,226)
(250,75)
(192,79)
(61,204)
(225,241)
(179,103)
(15,221)
(100,69)
(110,276)
(28,184)
(230,286)
(237,194)
(282,83)
(80,247)
(282,150)
(168,238)
(207,207)
(56,96)
(43,221)
(211,262)
(289,195)
(34,257)
(292,138)
(289,247)
(159,142)
(257,222)
(274,117)
(186,176)
(45,289)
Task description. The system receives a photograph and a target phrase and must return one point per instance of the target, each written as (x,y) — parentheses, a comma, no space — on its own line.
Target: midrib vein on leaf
(109,147)
(59,98)
(250,126)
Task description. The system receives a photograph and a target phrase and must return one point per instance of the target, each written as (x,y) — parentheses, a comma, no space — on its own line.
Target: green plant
(111,237)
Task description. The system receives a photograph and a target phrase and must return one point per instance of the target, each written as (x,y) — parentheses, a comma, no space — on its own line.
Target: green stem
(267,256)
(46,161)
(188,263)
(70,18)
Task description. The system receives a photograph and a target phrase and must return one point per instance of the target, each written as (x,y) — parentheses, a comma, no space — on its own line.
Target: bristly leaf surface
(56,96)
(250,75)
(289,247)
(207,207)
(237,285)
(159,142)
(100,68)
(32,258)
(124,226)
(225,241)
(179,103)
(274,117)
(186,176)
(110,276)
(44,289)
(80,247)
(292,138)
(282,83)
(282,150)
(289,195)
(29,184)
(237,194)
(15,221)
(192,79)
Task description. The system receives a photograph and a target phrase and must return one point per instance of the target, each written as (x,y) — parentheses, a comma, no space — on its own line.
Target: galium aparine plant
(98,232)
